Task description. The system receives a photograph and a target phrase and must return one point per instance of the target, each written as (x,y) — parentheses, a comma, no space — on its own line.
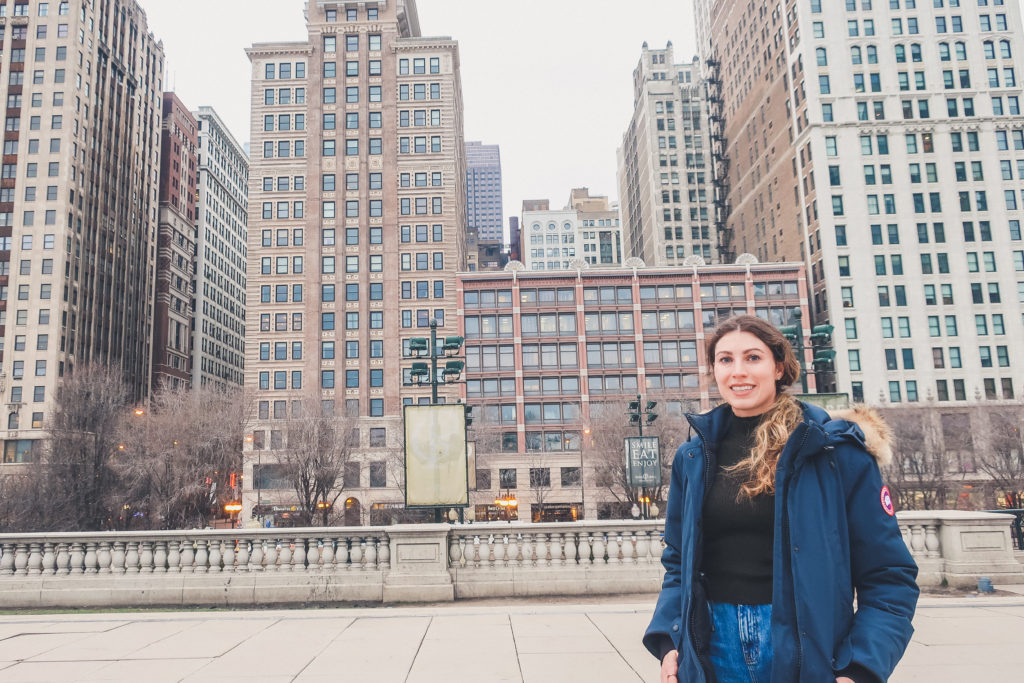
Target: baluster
(527,549)
(284,556)
(256,556)
(931,540)
(160,556)
(327,554)
(370,559)
(63,560)
(454,552)
(174,557)
(146,557)
(227,554)
(499,549)
(131,557)
(643,548)
(557,548)
(77,555)
(7,559)
(341,556)
(355,554)
(905,533)
(241,555)
(90,557)
(188,557)
(35,559)
(202,556)
(628,548)
(299,555)
(614,548)
(587,548)
(475,559)
(313,555)
(116,559)
(272,547)
(20,559)
(215,556)
(384,558)
(599,548)
(49,559)
(103,557)
(570,548)
(489,551)
(917,539)
(540,549)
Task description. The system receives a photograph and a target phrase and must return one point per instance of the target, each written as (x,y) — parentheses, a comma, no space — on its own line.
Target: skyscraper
(176,246)
(882,149)
(218,355)
(356,227)
(78,202)
(483,192)
(664,169)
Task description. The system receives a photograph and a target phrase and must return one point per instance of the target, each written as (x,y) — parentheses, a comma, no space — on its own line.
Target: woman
(777,517)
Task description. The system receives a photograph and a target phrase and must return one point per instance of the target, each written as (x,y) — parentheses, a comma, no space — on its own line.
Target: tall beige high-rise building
(78,202)
(880,143)
(218,352)
(356,231)
(664,164)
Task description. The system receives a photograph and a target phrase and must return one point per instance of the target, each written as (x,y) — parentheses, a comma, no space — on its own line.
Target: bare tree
(181,457)
(72,480)
(1002,455)
(604,451)
(320,444)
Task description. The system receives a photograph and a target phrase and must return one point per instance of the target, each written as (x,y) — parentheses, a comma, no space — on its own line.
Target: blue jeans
(741,643)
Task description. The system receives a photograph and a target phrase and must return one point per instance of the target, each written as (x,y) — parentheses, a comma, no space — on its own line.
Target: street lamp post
(427,373)
(637,417)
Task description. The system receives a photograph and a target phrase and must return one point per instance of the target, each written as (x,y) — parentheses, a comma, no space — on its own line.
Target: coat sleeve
(883,572)
(667,620)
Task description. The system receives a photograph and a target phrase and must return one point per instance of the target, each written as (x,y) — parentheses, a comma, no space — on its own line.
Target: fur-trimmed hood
(878,436)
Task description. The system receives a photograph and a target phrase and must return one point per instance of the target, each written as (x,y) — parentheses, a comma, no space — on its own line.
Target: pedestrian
(777,519)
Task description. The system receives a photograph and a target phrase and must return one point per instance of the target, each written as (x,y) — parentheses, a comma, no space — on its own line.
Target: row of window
(951,24)
(283,70)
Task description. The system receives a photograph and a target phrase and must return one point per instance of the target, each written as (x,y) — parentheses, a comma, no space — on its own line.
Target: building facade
(553,357)
(176,246)
(356,230)
(587,228)
(664,164)
(906,117)
(78,202)
(483,193)
(218,349)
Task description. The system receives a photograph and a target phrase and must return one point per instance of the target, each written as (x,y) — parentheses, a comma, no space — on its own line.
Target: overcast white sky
(550,81)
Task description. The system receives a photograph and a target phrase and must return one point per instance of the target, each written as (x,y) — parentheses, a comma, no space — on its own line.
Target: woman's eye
(753,357)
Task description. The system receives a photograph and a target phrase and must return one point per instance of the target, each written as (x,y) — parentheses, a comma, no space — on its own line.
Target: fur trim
(878,435)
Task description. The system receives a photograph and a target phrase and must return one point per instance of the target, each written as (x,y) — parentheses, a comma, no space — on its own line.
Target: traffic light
(790,332)
(452,345)
(824,357)
(634,406)
(821,334)
(651,415)
(452,370)
(420,372)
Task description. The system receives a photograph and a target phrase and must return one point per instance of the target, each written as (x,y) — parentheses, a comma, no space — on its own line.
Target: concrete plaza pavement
(536,641)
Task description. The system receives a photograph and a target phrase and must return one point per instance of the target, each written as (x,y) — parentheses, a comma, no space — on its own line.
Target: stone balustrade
(403,563)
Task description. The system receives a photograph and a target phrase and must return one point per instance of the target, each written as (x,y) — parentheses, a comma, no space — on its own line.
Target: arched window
(901,53)
(915,52)
(872,54)
(12,421)
(961,50)
(990,49)
(822,56)
(1004,49)
(855,54)
(944,52)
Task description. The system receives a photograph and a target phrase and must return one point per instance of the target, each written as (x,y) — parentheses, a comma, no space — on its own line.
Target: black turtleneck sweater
(738,531)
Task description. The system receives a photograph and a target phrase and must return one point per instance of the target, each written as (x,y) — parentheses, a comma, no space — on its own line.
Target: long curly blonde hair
(782,418)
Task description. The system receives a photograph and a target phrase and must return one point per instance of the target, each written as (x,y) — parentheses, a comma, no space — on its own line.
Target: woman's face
(746,373)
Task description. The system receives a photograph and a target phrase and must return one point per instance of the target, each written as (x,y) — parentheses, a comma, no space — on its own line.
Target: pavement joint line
(615,649)
(515,646)
(326,645)
(419,646)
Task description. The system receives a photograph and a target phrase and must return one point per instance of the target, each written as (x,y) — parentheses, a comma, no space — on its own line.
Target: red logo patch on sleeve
(887,502)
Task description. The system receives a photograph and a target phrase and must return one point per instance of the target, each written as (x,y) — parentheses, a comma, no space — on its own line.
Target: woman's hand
(841,679)
(670,667)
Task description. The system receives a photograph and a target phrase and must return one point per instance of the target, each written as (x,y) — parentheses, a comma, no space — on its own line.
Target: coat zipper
(706,486)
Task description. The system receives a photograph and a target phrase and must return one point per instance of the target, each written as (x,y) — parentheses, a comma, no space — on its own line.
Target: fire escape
(719,162)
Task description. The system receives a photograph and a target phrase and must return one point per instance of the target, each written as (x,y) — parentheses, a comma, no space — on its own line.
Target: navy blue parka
(835,537)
